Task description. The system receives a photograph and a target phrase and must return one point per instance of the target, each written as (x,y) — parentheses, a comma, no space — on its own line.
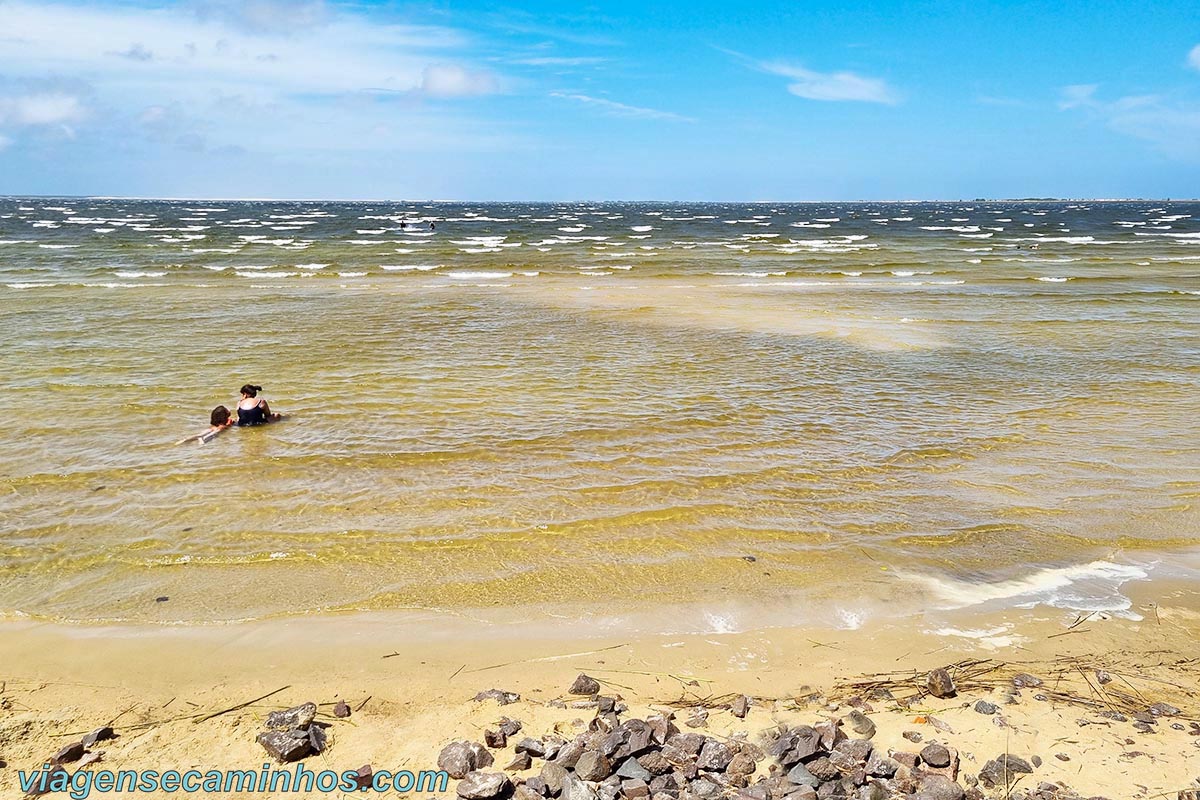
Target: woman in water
(252,409)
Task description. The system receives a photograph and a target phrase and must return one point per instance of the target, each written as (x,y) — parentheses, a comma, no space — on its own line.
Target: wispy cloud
(451,80)
(621,109)
(831,86)
(1194,57)
(553,61)
(1171,126)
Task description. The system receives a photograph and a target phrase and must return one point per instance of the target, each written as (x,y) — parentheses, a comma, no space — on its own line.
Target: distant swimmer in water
(432,226)
(252,409)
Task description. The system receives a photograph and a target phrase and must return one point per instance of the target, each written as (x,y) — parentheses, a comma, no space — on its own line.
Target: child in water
(252,409)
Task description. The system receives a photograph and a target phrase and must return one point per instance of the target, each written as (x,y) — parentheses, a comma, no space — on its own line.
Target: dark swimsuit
(251,416)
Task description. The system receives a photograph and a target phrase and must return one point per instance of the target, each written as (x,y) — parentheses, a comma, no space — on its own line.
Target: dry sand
(154,684)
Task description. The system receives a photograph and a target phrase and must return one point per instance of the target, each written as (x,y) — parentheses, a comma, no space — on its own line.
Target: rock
(938,787)
(1164,710)
(940,684)
(1002,771)
(98,735)
(697,718)
(538,785)
(984,707)
(798,744)
(524,792)
(584,685)
(861,724)
(1036,761)
(363,777)
(689,743)
(654,763)
(495,739)
(635,789)
(553,775)
(912,736)
(533,747)
(459,758)
(1062,756)
(574,789)
(68,754)
(830,733)
(880,766)
(593,766)
(1102,677)
(742,764)
(341,709)
(935,755)
(850,754)
(499,695)
(800,776)
(509,727)
(521,762)
(637,736)
(908,760)
(286,746)
(1023,679)
(824,769)
(316,738)
(803,793)
(568,755)
(298,717)
(632,769)
(483,785)
(1143,727)
(606,705)
(714,756)
(740,706)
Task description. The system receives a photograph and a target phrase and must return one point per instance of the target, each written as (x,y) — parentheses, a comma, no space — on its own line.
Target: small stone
(1062,756)
(697,718)
(635,789)
(850,754)
(341,709)
(1143,727)
(593,766)
(742,764)
(654,763)
(459,758)
(554,775)
(800,776)
(940,684)
(632,769)
(938,787)
(316,738)
(861,724)
(99,735)
(935,755)
(499,695)
(520,762)
(984,707)
(824,769)
(880,766)
(523,792)
(584,685)
(534,747)
(495,739)
(286,746)
(740,706)
(907,760)
(912,736)
(1164,710)
(568,755)
(714,756)
(538,785)
(363,776)
(1024,679)
(161,599)
(1102,677)
(483,785)
(68,754)
(605,704)
(1036,761)
(300,716)
(1001,769)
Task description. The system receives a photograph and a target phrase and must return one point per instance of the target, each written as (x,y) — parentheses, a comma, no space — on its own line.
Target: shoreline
(412,686)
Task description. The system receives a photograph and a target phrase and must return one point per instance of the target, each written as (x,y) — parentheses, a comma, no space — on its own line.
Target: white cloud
(450,80)
(1172,127)
(264,16)
(831,86)
(558,61)
(621,109)
(44,108)
(1194,57)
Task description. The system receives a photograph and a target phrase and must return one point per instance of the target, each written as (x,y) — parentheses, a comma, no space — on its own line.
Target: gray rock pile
(293,733)
(651,758)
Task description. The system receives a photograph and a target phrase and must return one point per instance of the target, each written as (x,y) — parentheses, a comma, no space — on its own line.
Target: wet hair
(250,390)
(220,415)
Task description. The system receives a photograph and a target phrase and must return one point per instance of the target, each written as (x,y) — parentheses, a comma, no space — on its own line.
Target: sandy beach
(167,692)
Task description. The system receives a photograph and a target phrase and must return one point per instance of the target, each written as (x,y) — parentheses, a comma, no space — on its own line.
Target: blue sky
(672,100)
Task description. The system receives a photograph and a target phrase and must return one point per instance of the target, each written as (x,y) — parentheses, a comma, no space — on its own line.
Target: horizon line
(581,200)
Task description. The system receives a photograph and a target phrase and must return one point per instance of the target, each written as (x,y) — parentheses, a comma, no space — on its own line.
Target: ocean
(700,416)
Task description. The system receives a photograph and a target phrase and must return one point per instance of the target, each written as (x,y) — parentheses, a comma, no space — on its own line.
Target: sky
(697,100)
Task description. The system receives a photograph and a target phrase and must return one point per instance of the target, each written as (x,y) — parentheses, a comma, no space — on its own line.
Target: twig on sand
(240,706)
(363,703)
(113,721)
(460,669)
(545,658)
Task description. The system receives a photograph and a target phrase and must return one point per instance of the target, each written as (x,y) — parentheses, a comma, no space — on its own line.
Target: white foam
(1083,587)
(464,275)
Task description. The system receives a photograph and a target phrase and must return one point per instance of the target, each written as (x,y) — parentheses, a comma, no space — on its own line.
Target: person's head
(250,390)
(220,416)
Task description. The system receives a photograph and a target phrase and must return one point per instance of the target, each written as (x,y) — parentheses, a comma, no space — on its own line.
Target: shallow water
(594,407)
